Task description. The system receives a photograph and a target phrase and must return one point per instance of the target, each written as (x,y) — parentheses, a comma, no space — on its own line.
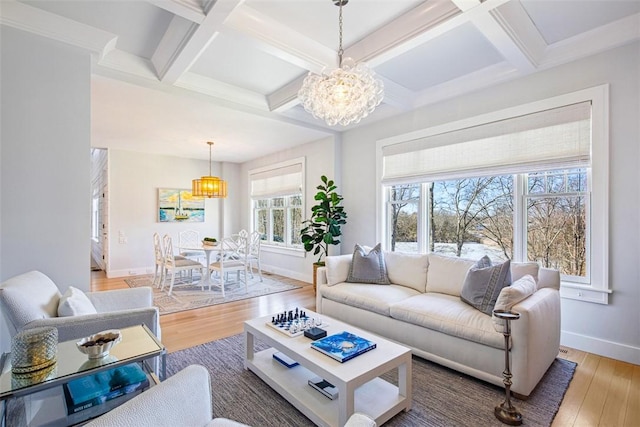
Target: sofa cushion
(337,268)
(446,274)
(407,269)
(447,314)
(483,284)
(368,267)
(74,302)
(511,295)
(28,297)
(521,269)
(367,297)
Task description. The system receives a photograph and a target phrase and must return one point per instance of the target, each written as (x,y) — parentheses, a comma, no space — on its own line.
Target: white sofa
(422,309)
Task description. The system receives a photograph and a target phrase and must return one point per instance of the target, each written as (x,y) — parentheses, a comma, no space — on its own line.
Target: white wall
(44,168)
(320,159)
(612,330)
(134,179)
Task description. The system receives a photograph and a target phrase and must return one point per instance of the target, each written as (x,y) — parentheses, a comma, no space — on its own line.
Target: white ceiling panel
(238,62)
(440,60)
(138,25)
(560,19)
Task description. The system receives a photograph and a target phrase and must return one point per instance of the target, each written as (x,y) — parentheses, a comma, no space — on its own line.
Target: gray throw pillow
(368,267)
(483,284)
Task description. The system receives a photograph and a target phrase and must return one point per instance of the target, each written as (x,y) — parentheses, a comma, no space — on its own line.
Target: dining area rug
(188,296)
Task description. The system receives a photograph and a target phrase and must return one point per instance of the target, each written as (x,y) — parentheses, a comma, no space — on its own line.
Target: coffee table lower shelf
(377,398)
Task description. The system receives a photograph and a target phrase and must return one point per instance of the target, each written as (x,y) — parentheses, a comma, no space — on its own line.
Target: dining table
(208,249)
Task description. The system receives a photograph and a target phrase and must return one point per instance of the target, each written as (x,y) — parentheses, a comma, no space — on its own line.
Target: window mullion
(519,219)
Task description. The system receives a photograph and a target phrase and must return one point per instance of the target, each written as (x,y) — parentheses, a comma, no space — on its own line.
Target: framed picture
(179,205)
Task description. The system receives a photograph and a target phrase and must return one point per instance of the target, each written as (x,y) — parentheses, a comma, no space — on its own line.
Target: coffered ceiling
(171,74)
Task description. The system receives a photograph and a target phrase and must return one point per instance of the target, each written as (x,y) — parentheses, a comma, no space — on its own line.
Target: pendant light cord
(340,50)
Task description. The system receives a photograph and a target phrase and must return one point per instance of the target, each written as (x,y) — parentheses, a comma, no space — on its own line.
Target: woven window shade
(280,181)
(555,138)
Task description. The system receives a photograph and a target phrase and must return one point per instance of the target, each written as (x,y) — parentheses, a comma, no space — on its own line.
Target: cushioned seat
(449,315)
(377,298)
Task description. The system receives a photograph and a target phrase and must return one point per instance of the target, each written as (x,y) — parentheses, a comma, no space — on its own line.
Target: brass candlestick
(506,412)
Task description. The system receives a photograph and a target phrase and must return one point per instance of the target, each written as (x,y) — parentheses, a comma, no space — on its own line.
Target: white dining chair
(253,252)
(187,240)
(231,259)
(174,265)
(158,275)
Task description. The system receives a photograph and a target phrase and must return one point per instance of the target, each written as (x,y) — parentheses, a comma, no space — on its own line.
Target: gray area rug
(441,397)
(186,296)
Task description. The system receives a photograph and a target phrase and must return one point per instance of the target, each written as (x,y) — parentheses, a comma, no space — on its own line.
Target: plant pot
(315,271)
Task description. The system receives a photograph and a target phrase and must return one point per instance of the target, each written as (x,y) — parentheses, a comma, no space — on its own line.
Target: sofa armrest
(75,327)
(535,338)
(321,282)
(182,400)
(121,299)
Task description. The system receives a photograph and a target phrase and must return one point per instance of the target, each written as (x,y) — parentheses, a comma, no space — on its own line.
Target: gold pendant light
(209,186)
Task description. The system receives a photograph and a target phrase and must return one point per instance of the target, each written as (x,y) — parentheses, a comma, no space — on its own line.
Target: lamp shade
(209,186)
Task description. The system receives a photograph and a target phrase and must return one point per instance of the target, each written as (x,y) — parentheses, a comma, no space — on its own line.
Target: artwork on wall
(179,205)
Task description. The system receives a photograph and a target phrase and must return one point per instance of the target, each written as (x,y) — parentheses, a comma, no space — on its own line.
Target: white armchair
(182,400)
(31,300)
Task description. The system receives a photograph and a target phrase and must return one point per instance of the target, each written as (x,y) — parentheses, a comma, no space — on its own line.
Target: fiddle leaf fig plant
(327,217)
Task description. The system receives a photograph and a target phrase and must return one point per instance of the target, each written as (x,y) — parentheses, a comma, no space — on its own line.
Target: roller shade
(554,138)
(275,182)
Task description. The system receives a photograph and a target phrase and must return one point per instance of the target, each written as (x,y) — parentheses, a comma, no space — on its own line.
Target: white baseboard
(288,273)
(129,272)
(614,350)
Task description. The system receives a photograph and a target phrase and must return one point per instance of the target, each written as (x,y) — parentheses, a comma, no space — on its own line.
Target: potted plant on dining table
(324,226)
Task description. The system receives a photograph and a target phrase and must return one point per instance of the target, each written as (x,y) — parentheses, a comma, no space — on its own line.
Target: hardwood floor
(603,392)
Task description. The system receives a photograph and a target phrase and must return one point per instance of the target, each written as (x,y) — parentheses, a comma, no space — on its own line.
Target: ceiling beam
(188,9)
(45,24)
(396,37)
(281,41)
(286,97)
(183,43)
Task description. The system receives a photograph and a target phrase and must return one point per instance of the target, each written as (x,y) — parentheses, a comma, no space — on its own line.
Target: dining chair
(232,258)
(187,241)
(158,274)
(253,252)
(172,264)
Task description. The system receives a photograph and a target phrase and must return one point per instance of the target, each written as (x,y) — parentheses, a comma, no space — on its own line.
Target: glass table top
(138,343)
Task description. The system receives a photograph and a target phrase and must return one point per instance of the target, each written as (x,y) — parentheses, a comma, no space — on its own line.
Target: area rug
(186,296)
(441,396)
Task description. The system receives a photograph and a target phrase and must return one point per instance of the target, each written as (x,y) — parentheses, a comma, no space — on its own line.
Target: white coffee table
(359,387)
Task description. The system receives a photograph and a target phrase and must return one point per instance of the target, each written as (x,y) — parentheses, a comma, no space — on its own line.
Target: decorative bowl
(98,345)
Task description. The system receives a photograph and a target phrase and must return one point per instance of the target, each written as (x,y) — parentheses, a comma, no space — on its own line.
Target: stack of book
(343,346)
(96,389)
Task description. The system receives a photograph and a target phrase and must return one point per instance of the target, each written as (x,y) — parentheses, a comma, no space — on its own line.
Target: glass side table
(138,345)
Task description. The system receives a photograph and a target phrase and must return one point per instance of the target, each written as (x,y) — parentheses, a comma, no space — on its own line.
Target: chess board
(284,326)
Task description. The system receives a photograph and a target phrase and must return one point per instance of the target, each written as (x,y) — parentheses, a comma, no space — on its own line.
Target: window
(528,184)
(277,203)
(473,217)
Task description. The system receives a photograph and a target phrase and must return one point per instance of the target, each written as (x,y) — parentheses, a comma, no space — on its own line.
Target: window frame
(598,289)
(269,245)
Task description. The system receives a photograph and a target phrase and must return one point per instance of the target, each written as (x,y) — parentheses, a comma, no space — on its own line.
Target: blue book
(343,346)
(98,388)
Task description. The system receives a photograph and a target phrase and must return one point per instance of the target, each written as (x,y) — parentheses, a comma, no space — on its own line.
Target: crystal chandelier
(209,186)
(345,95)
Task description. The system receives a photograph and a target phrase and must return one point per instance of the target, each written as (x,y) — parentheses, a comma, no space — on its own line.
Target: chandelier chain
(340,50)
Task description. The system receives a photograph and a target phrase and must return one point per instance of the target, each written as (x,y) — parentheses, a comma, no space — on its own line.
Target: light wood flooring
(603,392)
